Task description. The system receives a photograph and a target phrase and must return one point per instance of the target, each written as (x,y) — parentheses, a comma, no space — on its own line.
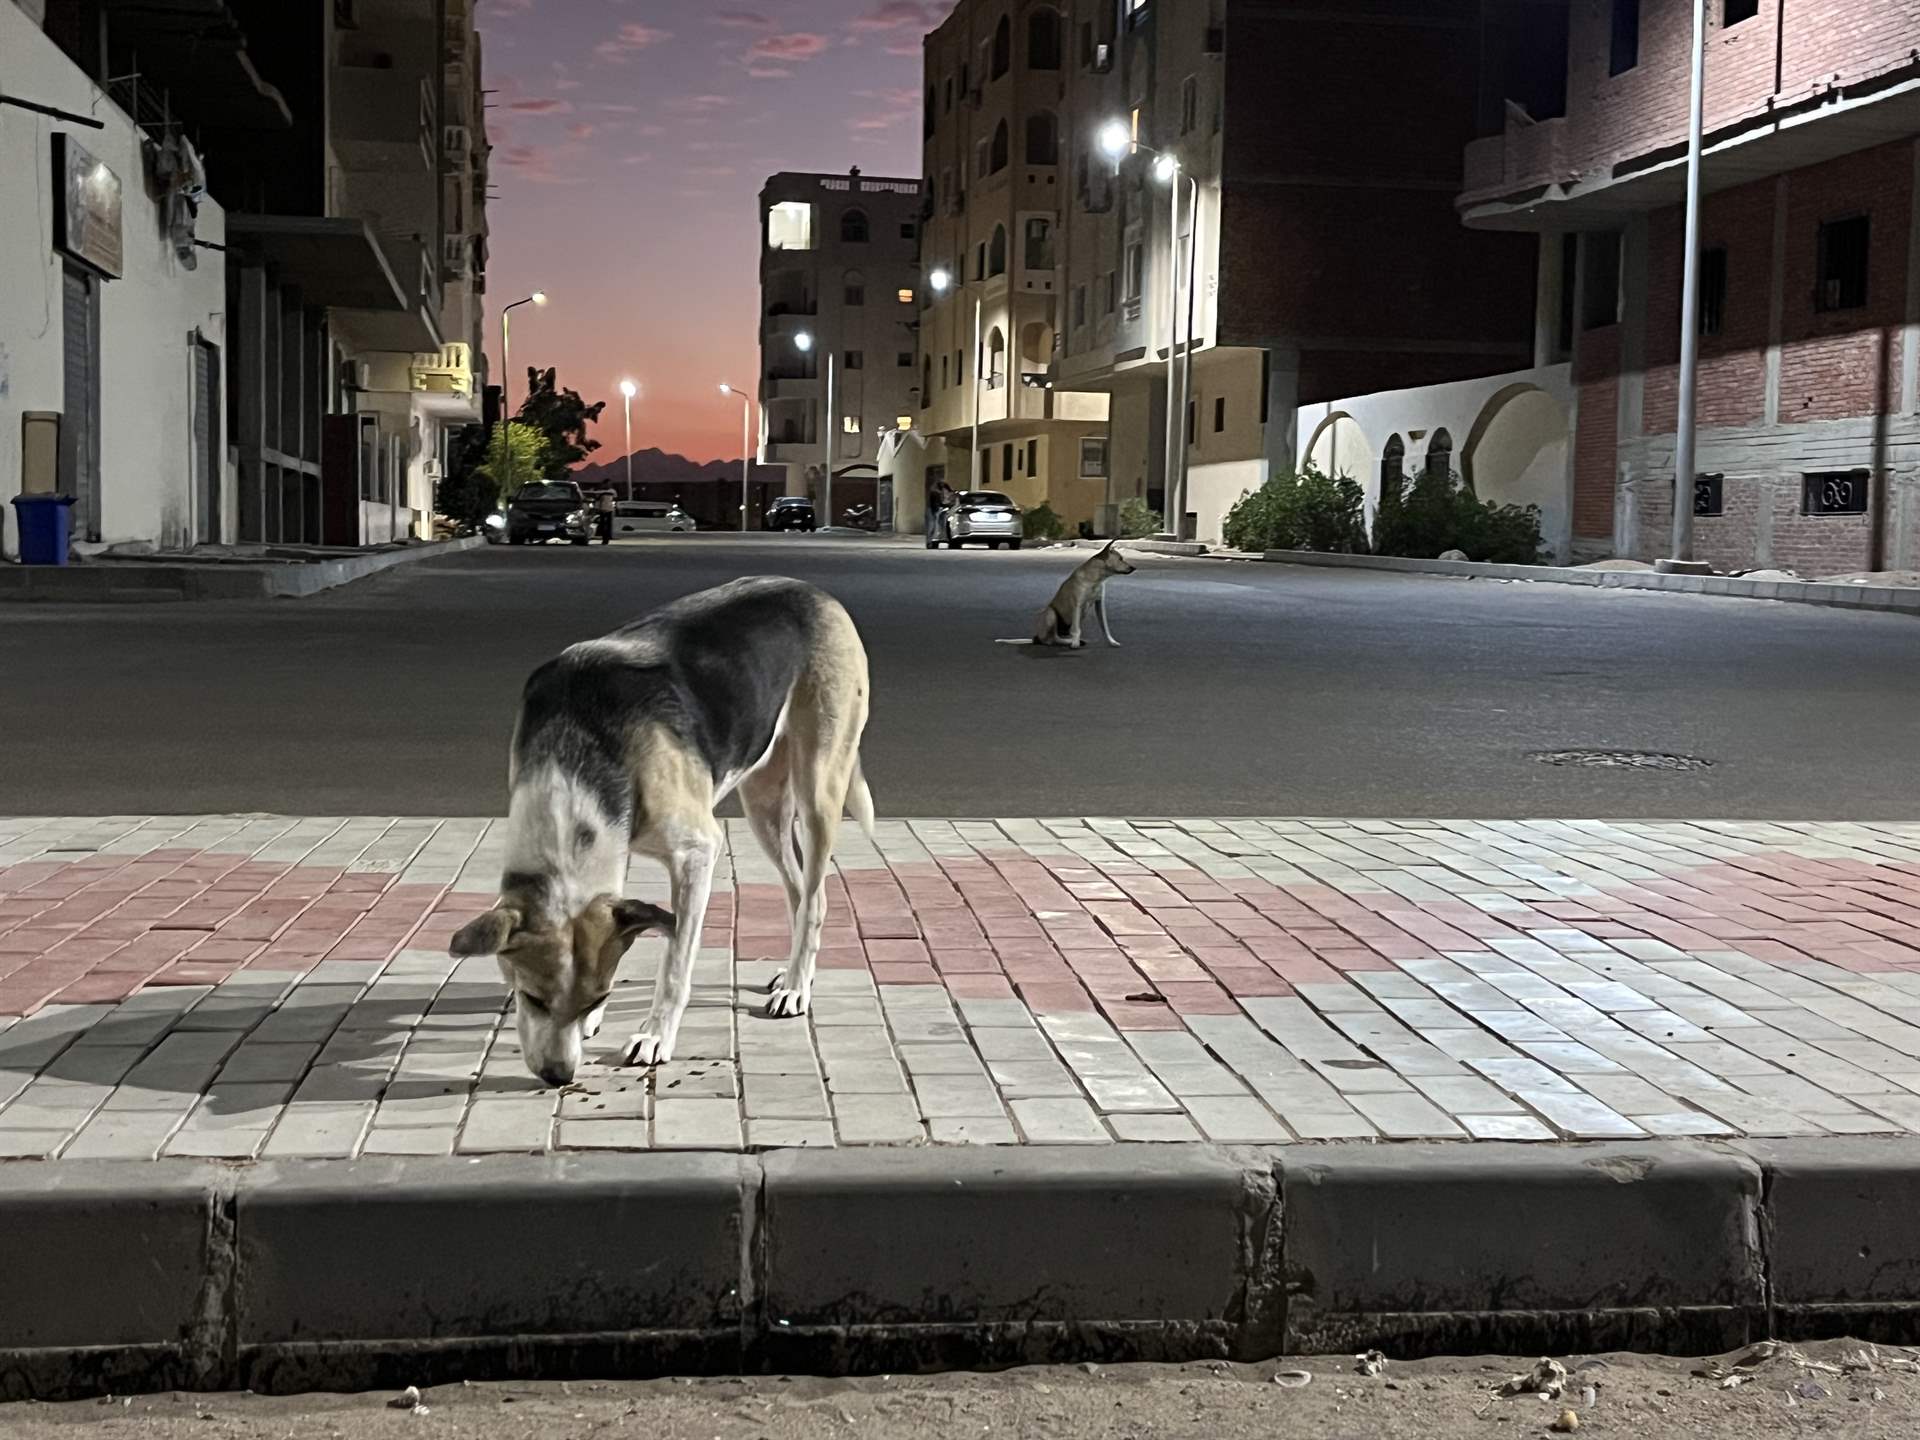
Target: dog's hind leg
(764,796)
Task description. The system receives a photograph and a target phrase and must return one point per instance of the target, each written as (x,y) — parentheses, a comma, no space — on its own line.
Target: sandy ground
(1436,1400)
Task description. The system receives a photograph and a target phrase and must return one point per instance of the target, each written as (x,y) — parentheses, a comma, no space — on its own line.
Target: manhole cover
(1622,760)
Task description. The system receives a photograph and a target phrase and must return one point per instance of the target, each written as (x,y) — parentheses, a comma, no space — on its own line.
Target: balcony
(805,387)
(1529,153)
(791,452)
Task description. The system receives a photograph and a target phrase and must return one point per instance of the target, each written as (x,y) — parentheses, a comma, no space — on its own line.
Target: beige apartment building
(995,162)
(839,294)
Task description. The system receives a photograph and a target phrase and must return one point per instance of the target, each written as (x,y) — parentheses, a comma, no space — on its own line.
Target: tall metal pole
(1683,446)
(979,357)
(833,436)
(506,409)
(1176,419)
(627,404)
(746,452)
(1179,516)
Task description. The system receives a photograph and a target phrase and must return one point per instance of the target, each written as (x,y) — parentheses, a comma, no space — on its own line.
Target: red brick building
(1809,445)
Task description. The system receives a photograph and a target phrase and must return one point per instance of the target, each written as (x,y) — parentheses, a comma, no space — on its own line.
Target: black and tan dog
(628,743)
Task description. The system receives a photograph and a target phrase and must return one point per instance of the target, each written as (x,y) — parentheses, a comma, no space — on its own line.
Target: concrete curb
(352,1274)
(112,582)
(1798,592)
(1145,547)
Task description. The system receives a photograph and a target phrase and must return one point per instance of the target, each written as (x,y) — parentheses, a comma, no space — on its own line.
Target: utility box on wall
(39,452)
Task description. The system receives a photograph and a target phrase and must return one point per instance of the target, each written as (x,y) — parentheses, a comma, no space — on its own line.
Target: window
(1136,271)
(996,359)
(1093,458)
(854,360)
(1569,287)
(1219,414)
(1006,463)
(908,230)
(1043,139)
(856,295)
(929,120)
(1002,48)
(1843,264)
(850,424)
(997,252)
(926,381)
(997,158)
(1038,253)
(905,360)
(1033,457)
(903,422)
(1043,39)
(1440,455)
(1709,495)
(1109,292)
(1738,10)
(790,226)
(853,227)
(1713,290)
(1626,37)
(1189,105)
(959,367)
(1393,466)
(944,381)
(980,261)
(1079,306)
(1837,492)
(1600,280)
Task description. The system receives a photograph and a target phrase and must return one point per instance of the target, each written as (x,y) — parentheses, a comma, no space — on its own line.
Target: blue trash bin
(46,528)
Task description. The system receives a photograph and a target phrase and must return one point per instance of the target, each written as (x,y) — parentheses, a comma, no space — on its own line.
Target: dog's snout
(556,1074)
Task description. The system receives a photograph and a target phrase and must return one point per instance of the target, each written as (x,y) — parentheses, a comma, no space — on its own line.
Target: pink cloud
(579,130)
(742,20)
(782,49)
(631,37)
(539,106)
(768,72)
(897,14)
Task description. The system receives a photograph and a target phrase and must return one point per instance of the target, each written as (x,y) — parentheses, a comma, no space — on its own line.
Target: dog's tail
(860,798)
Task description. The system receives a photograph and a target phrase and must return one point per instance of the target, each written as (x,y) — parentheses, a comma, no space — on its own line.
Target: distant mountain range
(657,467)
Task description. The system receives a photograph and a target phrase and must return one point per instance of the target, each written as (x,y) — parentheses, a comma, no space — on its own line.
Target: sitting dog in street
(1085,589)
(627,743)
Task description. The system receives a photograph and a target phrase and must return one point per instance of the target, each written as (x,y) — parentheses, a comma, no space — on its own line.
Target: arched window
(1038,254)
(996,359)
(1002,48)
(997,157)
(1043,138)
(1440,456)
(1043,39)
(1393,466)
(997,252)
(853,227)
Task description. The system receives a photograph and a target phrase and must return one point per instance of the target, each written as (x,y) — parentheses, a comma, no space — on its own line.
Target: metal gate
(206,442)
(80,422)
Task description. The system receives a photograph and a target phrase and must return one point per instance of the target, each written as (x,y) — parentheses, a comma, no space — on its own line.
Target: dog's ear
(636,917)
(487,935)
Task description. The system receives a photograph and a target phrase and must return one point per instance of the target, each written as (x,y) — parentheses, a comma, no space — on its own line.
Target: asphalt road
(1240,688)
(1417,1400)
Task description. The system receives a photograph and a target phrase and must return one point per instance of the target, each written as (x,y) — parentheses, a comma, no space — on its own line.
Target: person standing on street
(605,504)
(939,496)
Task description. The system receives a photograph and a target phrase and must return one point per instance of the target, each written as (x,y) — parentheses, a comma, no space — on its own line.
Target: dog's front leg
(1100,609)
(690,871)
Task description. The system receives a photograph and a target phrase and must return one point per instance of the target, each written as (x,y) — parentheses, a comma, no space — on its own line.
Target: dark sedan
(549,510)
(791,512)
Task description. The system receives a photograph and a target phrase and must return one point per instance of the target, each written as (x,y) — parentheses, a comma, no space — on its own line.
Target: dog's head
(561,969)
(1113,562)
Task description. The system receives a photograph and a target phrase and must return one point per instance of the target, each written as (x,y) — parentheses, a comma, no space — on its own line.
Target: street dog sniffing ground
(1085,589)
(628,742)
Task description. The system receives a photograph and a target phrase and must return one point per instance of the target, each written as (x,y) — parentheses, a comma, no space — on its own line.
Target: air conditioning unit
(1102,59)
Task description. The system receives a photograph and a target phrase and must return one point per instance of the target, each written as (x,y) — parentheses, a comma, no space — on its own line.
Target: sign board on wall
(86,207)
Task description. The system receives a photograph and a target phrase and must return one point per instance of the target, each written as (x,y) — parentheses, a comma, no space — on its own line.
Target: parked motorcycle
(860,517)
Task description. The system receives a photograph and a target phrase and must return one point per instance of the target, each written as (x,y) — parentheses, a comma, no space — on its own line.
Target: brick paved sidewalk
(263,986)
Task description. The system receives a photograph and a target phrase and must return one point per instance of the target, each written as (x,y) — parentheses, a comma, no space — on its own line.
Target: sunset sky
(630,140)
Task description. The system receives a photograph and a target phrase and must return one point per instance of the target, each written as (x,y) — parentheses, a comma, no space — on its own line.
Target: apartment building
(1318,254)
(257,318)
(839,297)
(1808,453)
(995,162)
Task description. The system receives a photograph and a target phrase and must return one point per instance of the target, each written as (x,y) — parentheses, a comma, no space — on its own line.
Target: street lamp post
(1683,447)
(942,281)
(627,391)
(538,297)
(746,446)
(1118,141)
(805,341)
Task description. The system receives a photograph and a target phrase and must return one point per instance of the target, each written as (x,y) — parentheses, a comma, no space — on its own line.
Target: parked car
(648,517)
(983,517)
(791,512)
(549,510)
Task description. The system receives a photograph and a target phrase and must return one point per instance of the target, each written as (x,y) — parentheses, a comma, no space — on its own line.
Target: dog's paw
(647,1049)
(786,1002)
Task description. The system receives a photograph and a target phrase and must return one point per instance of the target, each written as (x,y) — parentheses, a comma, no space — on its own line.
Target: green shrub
(1308,511)
(1428,514)
(1042,523)
(1137,521)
